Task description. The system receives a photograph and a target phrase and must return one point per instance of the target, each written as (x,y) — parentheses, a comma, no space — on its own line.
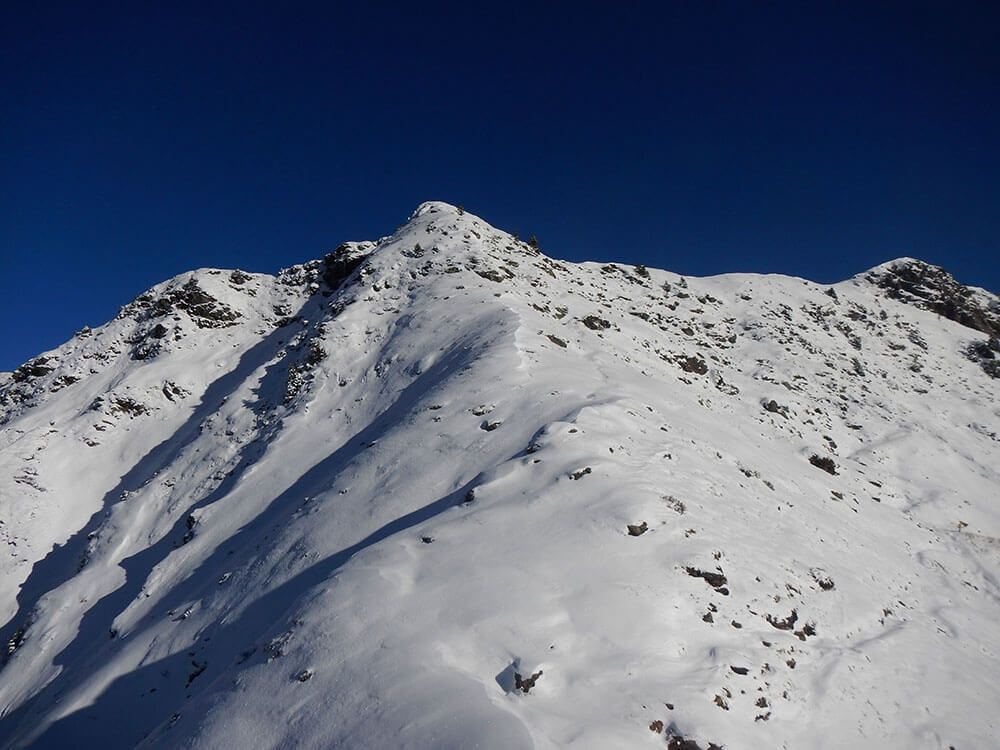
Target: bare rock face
(36,368)
(340,264)
(986,354)
(932,288)
(204,309)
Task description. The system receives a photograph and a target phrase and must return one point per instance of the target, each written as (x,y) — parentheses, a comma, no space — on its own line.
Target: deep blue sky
(805,138)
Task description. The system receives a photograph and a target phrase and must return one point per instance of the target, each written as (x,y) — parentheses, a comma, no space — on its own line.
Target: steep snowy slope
(444,491)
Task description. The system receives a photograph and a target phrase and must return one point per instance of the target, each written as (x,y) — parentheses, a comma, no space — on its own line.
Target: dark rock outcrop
(932,288)
(986,354)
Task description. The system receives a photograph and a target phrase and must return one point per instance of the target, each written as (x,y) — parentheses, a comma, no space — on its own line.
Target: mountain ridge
(354,503)
(360,249)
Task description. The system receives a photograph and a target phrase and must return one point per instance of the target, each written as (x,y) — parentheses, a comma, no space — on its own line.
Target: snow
(370,502)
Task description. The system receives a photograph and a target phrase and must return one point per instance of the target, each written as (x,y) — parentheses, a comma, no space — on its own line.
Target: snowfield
(442,491)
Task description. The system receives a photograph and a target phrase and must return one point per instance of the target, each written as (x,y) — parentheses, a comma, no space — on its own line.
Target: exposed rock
(824,581)
(595,323)
(775,408)
(204,309)
(787,623)
(696,365)
(35,368)
(491,274)
(556,340)
(340,264)
(984,354)
(62,381)
(677,742)
(825,463)
(524,684)
(932,288)
(715,580)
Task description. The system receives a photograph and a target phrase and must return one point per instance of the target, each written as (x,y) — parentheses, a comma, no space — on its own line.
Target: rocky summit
(442,490)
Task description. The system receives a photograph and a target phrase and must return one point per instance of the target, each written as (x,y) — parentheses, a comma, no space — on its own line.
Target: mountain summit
(441,490)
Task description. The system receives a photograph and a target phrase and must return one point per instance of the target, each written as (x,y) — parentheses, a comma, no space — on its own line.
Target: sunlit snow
(442,491)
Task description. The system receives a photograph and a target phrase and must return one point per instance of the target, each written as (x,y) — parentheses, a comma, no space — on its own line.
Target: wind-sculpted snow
(444,491)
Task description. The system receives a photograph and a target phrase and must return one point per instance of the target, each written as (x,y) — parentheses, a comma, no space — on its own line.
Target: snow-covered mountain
(443,491)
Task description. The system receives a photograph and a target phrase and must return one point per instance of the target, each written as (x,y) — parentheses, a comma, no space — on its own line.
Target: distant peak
(911,270)
(435,207)
(931,287)
(899,264)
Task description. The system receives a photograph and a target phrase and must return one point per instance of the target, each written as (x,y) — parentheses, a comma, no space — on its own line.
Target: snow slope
(444,491)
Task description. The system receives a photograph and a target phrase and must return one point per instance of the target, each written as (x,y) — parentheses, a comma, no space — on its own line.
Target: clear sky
(139,140)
